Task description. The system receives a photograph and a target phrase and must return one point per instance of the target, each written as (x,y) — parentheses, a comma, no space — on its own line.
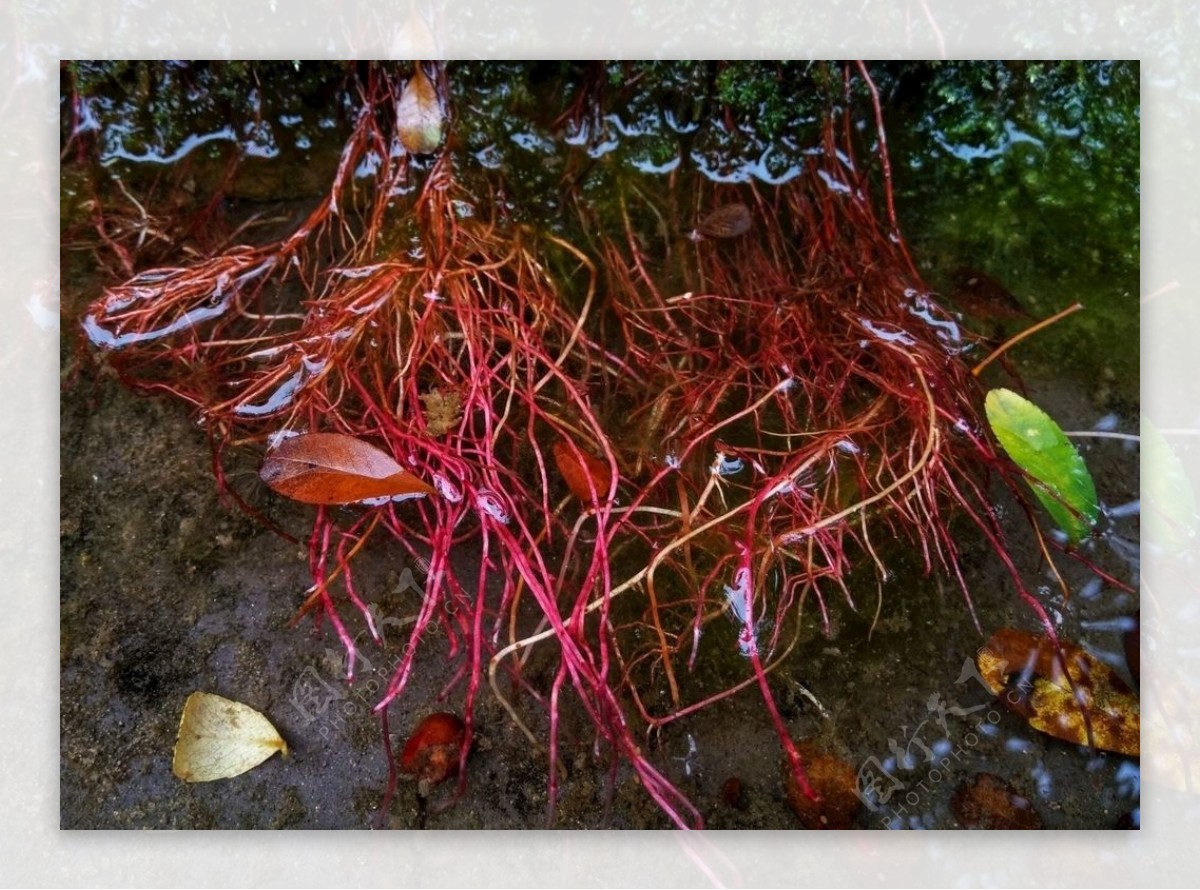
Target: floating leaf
(219,739)
(419,115)
(329,468)
(1056,472)
(729,221)
(578,467)
(1032,679)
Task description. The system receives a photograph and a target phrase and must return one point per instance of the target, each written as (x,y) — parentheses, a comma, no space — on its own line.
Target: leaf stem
(1013,341)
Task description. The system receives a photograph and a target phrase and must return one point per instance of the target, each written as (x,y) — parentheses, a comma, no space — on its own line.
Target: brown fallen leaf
(729,221)
(577,470)
(835,780)
(991,803)
(1066,693)
(330,468)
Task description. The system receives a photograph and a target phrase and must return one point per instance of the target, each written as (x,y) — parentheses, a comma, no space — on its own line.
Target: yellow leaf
(419,117)
(1062,692)
(219,739)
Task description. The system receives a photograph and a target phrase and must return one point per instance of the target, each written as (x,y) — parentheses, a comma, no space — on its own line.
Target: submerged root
(750,426)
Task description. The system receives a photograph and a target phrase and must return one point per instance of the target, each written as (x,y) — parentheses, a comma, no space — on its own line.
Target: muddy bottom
(165,591)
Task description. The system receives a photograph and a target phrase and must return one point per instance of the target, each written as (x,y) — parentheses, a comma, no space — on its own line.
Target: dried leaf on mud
(835,780)
(219,738)
(1063,694)
(989,802)
(330,468)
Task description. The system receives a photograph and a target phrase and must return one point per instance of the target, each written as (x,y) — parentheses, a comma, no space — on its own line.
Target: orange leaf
(577,467)
(329,468)
(1066,692)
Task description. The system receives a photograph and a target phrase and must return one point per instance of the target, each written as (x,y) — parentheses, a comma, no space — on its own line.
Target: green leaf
(1056,472)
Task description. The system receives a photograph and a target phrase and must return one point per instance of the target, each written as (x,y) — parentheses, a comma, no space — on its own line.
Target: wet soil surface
(165,591)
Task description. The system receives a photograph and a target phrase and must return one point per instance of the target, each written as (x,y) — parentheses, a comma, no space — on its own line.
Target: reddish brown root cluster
(665,472)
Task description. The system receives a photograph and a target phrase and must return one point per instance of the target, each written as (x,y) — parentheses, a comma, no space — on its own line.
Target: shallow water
(164,591)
